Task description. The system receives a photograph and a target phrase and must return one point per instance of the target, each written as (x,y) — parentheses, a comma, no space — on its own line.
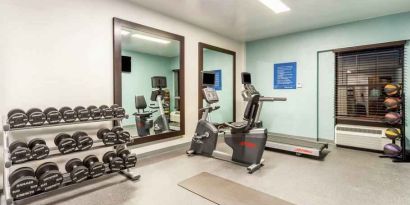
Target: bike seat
(144,114)
(238,126)
(248,117)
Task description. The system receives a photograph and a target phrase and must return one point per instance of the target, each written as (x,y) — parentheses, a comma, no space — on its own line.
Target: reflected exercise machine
(143,120)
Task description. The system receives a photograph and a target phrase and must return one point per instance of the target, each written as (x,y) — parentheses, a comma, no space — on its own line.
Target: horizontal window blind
(360,78)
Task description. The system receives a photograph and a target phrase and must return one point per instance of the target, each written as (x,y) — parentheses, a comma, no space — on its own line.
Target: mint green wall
(174,62)
(138,82)
(326,67)
(214,60)
(298,116)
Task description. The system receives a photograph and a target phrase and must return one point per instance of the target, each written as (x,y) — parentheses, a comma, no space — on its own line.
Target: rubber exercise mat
(226,192)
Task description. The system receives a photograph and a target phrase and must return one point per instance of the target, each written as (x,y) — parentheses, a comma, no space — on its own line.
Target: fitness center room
(230,102)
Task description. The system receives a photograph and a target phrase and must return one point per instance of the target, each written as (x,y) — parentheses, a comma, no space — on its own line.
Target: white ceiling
(130,43)
(248,20)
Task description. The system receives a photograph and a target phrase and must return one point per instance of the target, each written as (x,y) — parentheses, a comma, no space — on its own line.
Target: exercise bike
(161,122)
(246,141)
(143,120)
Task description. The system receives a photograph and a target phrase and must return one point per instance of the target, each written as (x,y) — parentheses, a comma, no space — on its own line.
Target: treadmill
(279,142)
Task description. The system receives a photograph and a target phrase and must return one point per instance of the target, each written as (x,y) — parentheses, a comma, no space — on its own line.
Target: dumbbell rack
(67,184)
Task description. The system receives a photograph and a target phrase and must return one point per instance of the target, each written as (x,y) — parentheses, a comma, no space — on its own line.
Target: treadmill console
(210,95)
(251,89)
(247,83)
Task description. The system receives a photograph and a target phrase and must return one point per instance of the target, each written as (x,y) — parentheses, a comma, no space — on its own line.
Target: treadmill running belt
(296,142)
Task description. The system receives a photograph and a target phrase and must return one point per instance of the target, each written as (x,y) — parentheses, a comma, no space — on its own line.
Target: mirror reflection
(222,65)
(150,83)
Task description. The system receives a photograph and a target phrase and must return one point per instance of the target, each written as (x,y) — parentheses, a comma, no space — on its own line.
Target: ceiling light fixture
(149,38)
(276,5)
(124,32)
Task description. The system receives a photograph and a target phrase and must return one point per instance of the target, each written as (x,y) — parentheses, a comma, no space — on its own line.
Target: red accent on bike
(301,150)
(247,144)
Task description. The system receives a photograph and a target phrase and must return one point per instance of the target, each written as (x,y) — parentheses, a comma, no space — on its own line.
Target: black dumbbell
(19,152)
(106,111)
(39,148)
(107,136)
(95,112)
(49,177)
(118,111)
(82,113)
(23,183)
(78,172)
(122,136)
(95,167)
(52,115)
(114,162)
(65,143)
(17,118)
(68,114)
(83,141)
(36,117)
(130,160)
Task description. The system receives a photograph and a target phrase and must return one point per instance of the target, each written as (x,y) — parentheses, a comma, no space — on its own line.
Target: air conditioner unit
(361,136)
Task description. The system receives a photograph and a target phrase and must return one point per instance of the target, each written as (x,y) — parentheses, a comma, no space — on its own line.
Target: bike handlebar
(210,108)
(272,99)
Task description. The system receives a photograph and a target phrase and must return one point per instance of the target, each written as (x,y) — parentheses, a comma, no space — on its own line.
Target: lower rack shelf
(67,184)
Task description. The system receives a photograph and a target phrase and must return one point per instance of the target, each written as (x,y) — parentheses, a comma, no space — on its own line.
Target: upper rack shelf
(46,125)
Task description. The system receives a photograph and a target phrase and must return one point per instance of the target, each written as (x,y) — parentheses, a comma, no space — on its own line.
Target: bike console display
(210,95)
(159,82)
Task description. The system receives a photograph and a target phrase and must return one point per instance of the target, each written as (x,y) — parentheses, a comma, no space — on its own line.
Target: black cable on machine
(404,154)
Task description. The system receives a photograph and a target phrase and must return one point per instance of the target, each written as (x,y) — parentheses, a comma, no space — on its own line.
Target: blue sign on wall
(218,79)
(284,76)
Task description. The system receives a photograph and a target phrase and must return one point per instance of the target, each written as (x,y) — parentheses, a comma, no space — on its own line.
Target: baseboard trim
(360,149)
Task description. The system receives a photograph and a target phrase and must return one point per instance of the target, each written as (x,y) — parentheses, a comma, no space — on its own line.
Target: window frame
(355,120)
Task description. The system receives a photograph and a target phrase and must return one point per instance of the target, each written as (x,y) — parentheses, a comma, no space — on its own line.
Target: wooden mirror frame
(118,24)
(201,47)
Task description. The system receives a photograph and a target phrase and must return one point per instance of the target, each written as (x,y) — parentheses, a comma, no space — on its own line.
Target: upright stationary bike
(143,120)
(246,141)
(161,122)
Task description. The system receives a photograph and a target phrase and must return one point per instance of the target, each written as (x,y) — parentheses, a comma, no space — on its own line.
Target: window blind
(360,78)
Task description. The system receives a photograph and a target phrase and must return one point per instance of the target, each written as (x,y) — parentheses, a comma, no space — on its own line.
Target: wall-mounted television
(126,64)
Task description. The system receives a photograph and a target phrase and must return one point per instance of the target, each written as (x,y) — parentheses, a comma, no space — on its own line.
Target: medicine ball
(392,118)
(391,89)
(392,103)
(393,133)
(392,150)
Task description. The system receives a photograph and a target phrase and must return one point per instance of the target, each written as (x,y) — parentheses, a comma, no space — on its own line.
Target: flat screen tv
(208,79)
(126,64)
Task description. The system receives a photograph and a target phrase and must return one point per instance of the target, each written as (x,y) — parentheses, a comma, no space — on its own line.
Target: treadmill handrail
(271,99)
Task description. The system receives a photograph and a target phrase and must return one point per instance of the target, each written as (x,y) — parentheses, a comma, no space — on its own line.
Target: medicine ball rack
(67,183)
(404,156)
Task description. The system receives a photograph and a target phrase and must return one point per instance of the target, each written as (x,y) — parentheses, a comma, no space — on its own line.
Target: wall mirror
(222,63)
(148,80)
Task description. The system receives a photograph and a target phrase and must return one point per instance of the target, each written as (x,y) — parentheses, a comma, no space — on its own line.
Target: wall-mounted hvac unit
(361,136)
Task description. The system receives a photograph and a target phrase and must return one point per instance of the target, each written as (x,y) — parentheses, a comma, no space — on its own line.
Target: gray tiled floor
(344,177)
